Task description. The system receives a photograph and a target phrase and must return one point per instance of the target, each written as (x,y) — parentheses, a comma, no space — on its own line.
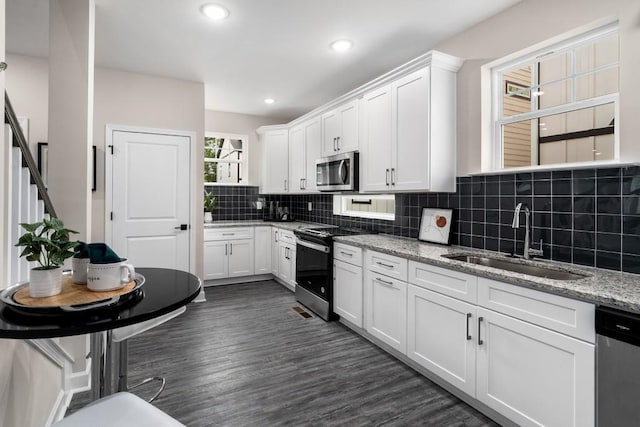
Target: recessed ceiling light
(214,11)
(269,101)
(341,45)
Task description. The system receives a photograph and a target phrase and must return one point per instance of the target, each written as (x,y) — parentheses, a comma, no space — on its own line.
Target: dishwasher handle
(618,324)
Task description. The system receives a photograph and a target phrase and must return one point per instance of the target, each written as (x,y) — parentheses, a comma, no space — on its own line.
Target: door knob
(182,227)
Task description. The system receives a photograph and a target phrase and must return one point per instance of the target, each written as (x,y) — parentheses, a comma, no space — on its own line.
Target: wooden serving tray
(74,299)
(72,294)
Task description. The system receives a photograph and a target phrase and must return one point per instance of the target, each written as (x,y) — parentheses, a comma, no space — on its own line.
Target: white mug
(109,277)
(79,270)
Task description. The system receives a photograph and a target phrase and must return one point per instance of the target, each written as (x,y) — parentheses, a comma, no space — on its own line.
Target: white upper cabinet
(409,133)
(304,150)
(275,165)
(340,129)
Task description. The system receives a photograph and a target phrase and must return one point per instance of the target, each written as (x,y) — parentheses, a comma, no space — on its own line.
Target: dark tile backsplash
(587,216)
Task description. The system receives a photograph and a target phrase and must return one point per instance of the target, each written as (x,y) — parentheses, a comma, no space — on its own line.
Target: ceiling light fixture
(341,45)
(214,11)
(269,101)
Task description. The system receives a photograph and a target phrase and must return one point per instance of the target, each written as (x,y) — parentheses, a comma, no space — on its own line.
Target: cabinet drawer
(448,282)
(228,233)
(389,265)
(346,253)
(286,236)
(564,315)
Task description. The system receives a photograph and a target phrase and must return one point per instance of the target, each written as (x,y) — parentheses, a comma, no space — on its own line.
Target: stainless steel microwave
(337,173)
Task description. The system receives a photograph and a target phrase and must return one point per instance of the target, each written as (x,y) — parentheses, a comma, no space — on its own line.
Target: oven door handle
(317,247)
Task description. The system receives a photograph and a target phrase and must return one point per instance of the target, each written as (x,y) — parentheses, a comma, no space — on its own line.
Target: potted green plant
(209,205)
(47,243)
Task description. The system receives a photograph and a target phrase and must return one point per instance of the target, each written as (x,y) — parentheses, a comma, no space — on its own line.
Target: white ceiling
(266,48)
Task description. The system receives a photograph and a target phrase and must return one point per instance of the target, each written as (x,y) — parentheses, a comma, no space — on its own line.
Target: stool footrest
(163,383)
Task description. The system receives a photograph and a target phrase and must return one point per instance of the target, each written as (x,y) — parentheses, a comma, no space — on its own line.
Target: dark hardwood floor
(246,358)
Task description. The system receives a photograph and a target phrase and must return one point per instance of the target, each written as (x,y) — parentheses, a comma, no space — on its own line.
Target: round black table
(164,291)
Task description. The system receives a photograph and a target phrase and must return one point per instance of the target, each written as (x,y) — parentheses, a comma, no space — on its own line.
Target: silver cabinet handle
(338,143)
(386,180)
(301,184)
(335,144)
(304,180)
(346,253)
(480,319)
(385,282)
(225,249)
(285,185)
(393,176)
(230,248)
(384,265)
(276,237)
(468,335)
(228,234)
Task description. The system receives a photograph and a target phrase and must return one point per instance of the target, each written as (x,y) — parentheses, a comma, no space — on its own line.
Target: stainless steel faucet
(529,252)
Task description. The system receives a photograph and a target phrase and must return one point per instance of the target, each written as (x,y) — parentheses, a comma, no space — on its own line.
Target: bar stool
(121,410)
(120,337)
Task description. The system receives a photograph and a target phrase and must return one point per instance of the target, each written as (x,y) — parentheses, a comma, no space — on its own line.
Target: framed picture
(517,90)
(43,155)
(435,225)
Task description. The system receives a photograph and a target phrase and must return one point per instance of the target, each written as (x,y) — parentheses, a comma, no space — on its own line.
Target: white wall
(243,124)
(28,89)
(133,99)
(528,23)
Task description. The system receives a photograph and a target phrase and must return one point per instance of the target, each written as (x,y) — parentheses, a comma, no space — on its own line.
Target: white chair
(120,337)
(121,410)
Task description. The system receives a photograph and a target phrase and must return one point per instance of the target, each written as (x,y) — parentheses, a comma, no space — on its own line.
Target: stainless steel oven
(314,276)
(337,173)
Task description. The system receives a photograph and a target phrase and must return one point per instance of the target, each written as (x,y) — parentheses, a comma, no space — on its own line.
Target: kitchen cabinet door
(275,251)
(532,375)
(441,332)
(287,265)
(410,155)
(348,292)
(375,158)
(216,265)
(297,160)
(262,250)
(386,310)
(240,258)
(330,132)
(349,124)
(340,129)
(275,166)
(313,143)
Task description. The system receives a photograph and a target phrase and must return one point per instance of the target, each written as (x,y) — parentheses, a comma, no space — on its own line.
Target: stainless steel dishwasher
(618,368)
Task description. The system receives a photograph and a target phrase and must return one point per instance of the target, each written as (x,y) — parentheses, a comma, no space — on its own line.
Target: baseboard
(236,280)
(75,383)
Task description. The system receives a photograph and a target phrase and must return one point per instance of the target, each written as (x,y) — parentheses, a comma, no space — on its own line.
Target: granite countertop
(287,225)
(606,287)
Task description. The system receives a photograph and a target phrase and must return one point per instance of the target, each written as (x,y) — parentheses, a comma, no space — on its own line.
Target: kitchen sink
(517,267)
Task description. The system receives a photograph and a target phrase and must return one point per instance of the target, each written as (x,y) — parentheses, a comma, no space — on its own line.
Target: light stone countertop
(606,287)
(292,225)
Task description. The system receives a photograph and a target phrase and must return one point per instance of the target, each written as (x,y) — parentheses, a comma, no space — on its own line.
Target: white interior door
(150,198)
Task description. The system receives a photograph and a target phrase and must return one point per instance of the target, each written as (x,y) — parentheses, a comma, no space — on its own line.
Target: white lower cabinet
(228,253)
(526,354)
(228,258)
(532,375)
(386,309)
(275,251)
(262,250)
(347,291)
(287,265)
(441,332)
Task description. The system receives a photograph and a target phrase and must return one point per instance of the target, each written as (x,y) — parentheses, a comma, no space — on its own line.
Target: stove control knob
(322,289)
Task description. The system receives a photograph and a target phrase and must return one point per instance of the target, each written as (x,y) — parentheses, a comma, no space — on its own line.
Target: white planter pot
(208,217)
(45,283)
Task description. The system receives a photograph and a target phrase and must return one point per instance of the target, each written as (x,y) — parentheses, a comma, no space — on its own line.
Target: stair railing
(27,158)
